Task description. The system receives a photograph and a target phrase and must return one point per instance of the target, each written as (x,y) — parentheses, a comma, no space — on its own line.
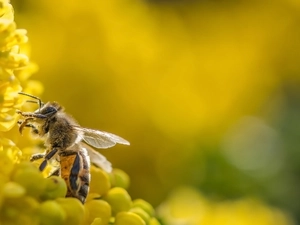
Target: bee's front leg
(32,115)
(24,123)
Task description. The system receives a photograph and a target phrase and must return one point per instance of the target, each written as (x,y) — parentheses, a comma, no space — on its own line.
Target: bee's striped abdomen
(84,175)
(74,167)
(74,173)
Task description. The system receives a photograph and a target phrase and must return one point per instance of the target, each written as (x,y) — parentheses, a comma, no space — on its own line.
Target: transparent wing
(100,139)
(98,159)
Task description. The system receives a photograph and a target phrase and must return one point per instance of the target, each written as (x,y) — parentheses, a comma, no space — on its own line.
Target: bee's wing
(98,159)
(100,139)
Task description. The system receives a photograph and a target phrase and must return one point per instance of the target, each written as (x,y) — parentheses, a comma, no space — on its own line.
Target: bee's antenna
(39,101)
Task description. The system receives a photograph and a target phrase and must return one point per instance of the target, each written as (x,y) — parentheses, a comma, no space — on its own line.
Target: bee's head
(49,109)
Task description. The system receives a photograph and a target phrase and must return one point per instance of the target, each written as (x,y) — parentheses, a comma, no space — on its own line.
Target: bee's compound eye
(49,110)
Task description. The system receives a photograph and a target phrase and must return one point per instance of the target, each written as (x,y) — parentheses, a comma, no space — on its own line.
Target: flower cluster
(29,198)
(10,59)
(109,198)
(26,196)
(15,69)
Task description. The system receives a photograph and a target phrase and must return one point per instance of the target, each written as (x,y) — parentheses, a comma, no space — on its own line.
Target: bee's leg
(34,130)
(36,115)
(25,124)
(37,156)
(48,157)
(32,115)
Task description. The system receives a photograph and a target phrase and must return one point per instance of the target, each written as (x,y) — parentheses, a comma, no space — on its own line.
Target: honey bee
(69,144)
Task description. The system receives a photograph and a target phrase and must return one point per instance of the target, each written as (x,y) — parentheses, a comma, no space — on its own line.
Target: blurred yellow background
(207,92)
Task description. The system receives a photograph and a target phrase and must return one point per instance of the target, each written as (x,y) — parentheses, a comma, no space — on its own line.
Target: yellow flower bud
(139,211)
(119,178)
(146,206)
(13,190)
(55,188)
(129,218)
(31,179)
(97,209)
(119,199)
(99,181)
(98,221)
(74,210)
(19,211)
(51,213)
(154,221)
